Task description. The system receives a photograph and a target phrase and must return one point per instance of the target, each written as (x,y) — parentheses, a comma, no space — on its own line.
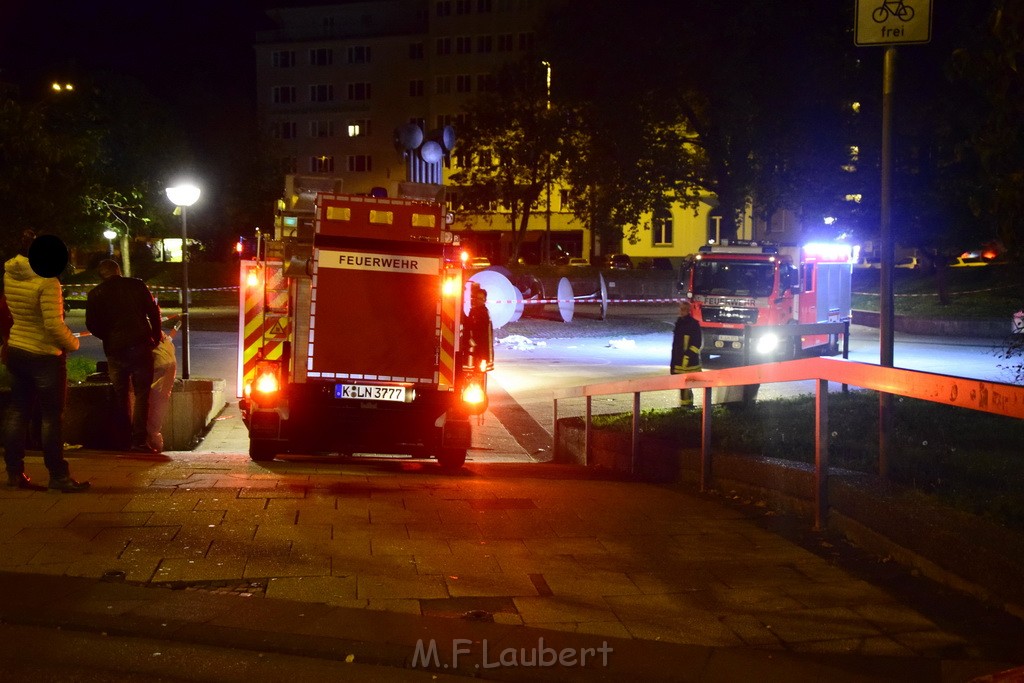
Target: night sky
(195,57)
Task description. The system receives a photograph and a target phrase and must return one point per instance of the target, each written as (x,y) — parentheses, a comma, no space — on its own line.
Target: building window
(321,93)
(661,229)
(283,59)
(485,44)
(359,163)
(463,83)
(505,42)
(289,165)
(359,91)
(358,128)
(525,41)
(442,85)
(484,6)
(444,120)
(463,6)
(485,83)
(416,51)
(461,120)
(284,94)
(444,46)
(359,54)
(321,129)
(321,164)
(418,121)
(463,45)
(284,130)
(416,88)
(444,8)
(322,56)
(563,200)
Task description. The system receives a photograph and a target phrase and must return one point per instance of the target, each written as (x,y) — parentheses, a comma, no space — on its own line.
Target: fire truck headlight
(767,343)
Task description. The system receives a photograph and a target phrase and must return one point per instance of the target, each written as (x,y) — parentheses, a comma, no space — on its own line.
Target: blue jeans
(42,379)
(131,371)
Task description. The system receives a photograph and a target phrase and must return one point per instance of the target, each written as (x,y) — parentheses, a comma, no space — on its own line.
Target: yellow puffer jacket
(37,306)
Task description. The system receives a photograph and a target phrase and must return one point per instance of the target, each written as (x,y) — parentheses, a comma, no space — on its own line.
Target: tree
(511,150)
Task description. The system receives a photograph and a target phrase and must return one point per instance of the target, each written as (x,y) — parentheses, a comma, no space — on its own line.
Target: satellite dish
(48,256)
(520,306)
(566,302)
(501,296)
(445,137)
(408,136)
(431,152)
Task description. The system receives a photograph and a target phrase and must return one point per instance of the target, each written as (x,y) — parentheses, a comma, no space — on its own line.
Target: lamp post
(547,181)
(184,196)
(110,235)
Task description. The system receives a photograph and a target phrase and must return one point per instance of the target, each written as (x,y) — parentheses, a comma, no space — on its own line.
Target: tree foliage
(81,161)
(511,149)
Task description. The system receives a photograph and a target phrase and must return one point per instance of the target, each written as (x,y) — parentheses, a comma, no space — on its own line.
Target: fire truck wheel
(262,451)
(451,459)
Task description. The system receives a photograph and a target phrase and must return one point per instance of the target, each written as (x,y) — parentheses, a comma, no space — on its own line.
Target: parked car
(967,262)
(480,262)
(910,263)
(864,262)
(578,261)
(617,262)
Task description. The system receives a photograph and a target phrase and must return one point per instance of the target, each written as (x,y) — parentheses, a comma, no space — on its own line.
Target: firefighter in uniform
(686,343)
(477,332)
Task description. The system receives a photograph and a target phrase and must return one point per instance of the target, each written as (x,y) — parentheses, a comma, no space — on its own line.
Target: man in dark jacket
(686,343)
(122,313)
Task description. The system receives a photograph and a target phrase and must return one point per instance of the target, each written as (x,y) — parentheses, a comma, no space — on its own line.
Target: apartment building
(335,81)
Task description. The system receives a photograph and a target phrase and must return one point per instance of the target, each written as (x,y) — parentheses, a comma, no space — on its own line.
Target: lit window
(855,198)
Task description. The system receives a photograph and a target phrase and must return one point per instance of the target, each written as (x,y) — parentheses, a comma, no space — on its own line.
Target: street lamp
(184,196)
(110,235)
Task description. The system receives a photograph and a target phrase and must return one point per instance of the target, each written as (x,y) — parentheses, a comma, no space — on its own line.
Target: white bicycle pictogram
(896,8)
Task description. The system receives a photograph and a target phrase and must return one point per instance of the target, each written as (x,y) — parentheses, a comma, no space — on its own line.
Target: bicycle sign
(892,22)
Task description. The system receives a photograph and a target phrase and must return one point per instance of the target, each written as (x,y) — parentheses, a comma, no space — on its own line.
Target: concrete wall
(194,405)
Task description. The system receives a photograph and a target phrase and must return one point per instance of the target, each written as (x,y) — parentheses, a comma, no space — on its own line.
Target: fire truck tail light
(474,394)
(267,383)
(451,286)
(252,278)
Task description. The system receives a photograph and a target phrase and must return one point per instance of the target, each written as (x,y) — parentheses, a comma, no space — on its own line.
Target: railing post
(635,448)
(821,456)
(846,348)
(587,432)
(705,441)
(554,430)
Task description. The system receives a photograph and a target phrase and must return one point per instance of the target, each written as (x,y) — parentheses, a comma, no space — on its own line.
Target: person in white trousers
(164,368)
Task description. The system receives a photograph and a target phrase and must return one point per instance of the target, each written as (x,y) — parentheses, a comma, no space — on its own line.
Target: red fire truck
(351,338)
(738,287)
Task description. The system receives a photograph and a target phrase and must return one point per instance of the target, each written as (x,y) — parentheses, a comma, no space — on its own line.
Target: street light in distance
(110,235)
(183,196)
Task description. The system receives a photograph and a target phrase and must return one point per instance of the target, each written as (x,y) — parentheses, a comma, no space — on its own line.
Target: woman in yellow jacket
(37,361)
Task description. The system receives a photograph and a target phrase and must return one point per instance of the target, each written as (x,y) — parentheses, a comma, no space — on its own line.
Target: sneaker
(68,485)
(22,481)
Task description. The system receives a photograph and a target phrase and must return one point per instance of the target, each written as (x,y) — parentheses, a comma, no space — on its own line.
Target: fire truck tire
(451,459)
(262,451)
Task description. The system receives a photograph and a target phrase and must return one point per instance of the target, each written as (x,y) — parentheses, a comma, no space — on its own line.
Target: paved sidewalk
(326,557)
